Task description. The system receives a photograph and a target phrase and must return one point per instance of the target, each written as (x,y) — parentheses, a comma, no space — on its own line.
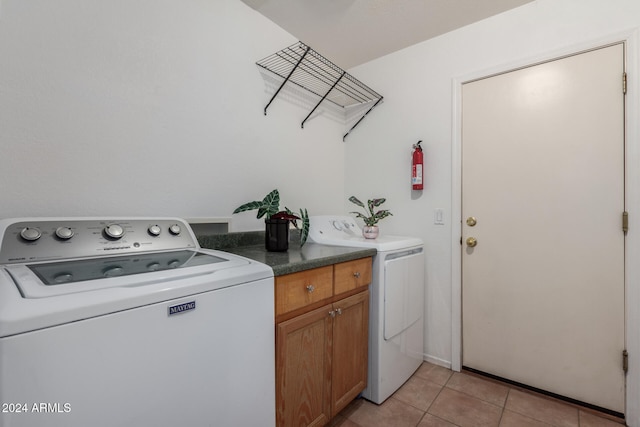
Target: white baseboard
(437,361)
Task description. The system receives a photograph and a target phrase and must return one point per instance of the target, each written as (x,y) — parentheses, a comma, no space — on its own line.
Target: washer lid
(342,230)
(48,279)
(53,305)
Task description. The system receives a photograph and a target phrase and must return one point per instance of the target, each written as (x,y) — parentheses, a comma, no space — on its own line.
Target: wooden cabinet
(351,275)
(350,350)
(322,318)
(303,369)
(303,289)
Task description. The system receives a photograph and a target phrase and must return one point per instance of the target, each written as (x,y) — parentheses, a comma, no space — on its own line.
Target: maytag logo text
(181,308)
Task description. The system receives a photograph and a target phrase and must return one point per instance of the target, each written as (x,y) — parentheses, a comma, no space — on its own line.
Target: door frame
(632,202)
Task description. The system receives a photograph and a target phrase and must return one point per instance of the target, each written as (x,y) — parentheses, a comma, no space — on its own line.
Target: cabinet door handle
(356,274)
(338,311)
(332,313)
(310,288)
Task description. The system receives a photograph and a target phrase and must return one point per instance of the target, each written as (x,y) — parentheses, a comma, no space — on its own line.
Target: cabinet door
(303,369)
(350,349)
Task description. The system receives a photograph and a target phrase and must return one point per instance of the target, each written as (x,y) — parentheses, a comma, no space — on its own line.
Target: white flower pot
(370,231)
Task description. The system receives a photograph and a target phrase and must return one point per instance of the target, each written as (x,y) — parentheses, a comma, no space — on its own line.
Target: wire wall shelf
(301,65)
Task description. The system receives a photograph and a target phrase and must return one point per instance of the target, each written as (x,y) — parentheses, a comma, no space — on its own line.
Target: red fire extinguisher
(417,167)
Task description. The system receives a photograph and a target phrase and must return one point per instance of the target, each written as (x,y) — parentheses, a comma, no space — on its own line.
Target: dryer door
(403,291)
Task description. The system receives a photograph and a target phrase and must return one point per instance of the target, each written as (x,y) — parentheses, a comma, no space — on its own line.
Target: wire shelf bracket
(301,65)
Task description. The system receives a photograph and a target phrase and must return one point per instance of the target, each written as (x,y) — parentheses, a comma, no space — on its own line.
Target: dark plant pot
(276,236)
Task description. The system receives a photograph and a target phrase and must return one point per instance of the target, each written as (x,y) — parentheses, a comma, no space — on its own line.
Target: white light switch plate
(438,216)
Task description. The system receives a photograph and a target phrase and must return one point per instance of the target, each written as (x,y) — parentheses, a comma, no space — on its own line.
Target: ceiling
(352,32)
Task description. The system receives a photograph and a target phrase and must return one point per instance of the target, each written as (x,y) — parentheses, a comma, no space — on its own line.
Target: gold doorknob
(471,221)
(472,242)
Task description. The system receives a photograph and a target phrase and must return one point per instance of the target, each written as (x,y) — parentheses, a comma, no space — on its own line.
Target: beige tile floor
(438,397)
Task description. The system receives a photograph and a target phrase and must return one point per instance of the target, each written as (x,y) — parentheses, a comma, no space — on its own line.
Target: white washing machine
(128,322)
(396,310)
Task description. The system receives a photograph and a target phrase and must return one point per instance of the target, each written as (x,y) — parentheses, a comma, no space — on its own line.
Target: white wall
(152,108)
(419,103)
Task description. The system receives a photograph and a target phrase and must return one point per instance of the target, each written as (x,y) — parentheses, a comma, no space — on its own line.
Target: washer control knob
(115,231)
(154,230)
(175,229)
(64,233)
(30,234)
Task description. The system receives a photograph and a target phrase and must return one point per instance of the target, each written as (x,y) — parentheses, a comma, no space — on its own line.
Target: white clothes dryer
(396,310)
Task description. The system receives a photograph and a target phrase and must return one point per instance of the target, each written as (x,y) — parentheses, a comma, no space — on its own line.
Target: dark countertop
(311,255)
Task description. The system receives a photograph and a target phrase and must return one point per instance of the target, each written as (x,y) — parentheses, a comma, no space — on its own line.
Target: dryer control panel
(331,227)
(343,230)
(40,239)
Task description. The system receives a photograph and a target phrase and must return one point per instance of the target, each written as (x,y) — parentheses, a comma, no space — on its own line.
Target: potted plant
(371,218)
(277,222)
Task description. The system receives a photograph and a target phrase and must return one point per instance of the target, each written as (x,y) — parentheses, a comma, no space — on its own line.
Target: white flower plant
(371,217)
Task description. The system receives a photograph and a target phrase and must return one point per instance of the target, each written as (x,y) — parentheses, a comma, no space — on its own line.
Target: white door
(543,176)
